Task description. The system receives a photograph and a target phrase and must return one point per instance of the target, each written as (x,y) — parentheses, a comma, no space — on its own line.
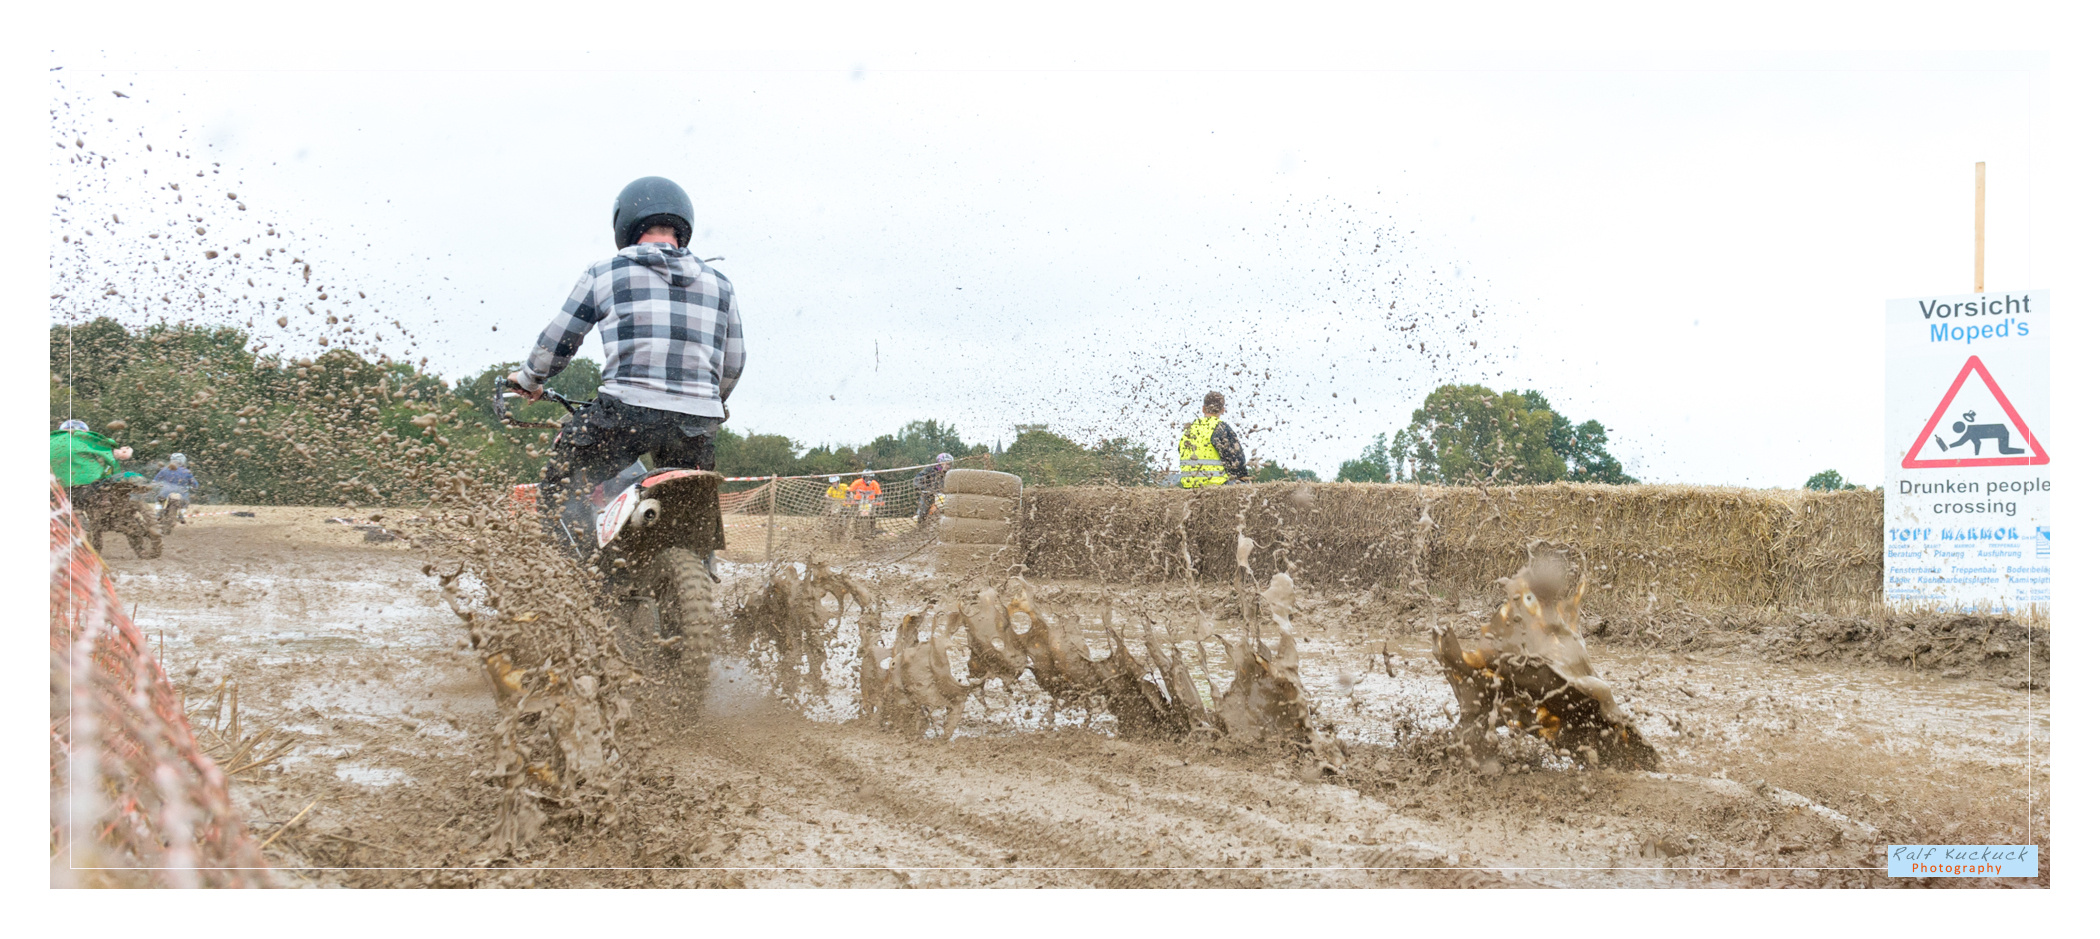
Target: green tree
(1372,467)
(1277,472)
(1589,462)
(1468,434)
(1581,448)
(1043,458)
(1465,434)
(1829,480)
(918,443)
(756,454)
(329,430)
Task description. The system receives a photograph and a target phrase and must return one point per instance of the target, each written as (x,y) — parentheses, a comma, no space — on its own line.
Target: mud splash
(547,642)
(1529,670)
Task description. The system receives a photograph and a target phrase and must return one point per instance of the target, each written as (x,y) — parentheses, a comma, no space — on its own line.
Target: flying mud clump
(1529,670)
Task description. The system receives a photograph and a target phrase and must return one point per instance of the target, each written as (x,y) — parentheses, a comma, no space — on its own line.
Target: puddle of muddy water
(1968,721)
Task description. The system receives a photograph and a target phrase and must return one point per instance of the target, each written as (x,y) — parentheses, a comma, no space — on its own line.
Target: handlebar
(505,389)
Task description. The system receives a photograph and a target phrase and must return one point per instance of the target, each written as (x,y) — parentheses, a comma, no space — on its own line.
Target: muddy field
(1790,753)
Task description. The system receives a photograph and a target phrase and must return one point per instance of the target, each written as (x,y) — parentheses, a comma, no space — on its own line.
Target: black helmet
(650,201)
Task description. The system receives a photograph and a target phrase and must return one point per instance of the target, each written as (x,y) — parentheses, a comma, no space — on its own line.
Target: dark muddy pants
(606,438)
(109,506)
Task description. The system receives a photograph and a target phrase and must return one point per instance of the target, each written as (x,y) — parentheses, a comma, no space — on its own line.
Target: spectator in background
(835,507)
(1210,451)
(866,496)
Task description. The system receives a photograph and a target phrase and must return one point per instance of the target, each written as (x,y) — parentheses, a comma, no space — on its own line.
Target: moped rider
(175,478)
(929,483)
(674,348)
(90,466)
(171,488)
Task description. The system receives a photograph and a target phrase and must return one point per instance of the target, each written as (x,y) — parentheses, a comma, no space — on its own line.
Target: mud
(1778,768)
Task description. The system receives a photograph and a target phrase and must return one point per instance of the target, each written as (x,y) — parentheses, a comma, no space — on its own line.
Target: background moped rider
(175,478)
(866,496)
(929,483)
(674,348)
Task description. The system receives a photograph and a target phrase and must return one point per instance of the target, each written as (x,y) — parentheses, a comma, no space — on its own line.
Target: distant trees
(1469,434)
(915,444)
(338,428)
(1373,466)
(1829,480)
(328,430)
(1043,458)
(1277,472)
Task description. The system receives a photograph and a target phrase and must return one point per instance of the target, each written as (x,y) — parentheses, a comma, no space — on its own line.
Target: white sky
(1692,249)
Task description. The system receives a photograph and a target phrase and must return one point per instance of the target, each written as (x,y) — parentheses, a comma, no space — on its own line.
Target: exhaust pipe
(647,512)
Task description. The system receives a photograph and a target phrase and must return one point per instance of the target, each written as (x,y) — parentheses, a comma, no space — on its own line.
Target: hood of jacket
(677,265)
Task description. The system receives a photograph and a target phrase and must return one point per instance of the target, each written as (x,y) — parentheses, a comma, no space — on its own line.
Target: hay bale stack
(978,534)
(1697,544)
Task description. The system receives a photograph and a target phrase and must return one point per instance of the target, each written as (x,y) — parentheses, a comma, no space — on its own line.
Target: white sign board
(1965,508)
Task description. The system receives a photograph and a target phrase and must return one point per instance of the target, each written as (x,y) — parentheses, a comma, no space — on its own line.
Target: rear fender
(614,516)
(680,491)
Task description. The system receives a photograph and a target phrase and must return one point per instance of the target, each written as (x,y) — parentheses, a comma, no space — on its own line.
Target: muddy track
(343,648)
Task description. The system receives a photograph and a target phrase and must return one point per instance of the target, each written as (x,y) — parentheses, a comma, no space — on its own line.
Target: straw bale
(1694,544)
(993,508)
(982,483)
(975,531)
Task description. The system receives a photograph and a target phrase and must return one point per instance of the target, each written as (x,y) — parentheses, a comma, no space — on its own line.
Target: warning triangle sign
(1977,435)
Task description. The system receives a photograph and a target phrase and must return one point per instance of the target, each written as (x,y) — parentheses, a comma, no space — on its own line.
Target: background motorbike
(169,510)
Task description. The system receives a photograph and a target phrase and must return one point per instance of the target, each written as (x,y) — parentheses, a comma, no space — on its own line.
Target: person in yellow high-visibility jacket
(1210,451)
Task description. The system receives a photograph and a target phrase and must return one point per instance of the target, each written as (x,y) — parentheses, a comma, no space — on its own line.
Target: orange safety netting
(133,800)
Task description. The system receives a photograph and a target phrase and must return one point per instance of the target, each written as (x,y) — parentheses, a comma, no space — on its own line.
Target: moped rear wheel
(684,600)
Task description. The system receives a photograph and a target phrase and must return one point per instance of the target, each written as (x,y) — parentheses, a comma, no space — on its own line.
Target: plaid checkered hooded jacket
(673,339)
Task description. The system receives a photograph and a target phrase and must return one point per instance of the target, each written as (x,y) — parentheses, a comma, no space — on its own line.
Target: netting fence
(134,801)
(767,517)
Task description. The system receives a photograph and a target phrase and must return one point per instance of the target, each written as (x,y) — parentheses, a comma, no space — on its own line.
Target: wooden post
(772,507)
(1979,227)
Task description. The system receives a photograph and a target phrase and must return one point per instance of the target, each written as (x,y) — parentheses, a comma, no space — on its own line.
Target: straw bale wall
(1695,544)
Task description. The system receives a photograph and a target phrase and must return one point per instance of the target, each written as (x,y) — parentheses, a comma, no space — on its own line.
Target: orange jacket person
(865,491)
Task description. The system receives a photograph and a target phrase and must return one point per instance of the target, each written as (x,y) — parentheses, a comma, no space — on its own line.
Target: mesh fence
(766,517)
(134,802)
(889,512)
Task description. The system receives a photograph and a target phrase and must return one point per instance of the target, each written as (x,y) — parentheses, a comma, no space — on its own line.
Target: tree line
(338,428)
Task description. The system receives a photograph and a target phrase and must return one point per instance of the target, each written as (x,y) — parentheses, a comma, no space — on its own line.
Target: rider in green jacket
(80,456)
(87,464)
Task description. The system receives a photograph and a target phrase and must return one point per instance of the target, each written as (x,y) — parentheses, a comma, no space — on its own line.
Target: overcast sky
(1694,250)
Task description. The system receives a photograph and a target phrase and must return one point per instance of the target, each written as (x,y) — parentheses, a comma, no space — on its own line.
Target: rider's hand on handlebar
(523,383)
